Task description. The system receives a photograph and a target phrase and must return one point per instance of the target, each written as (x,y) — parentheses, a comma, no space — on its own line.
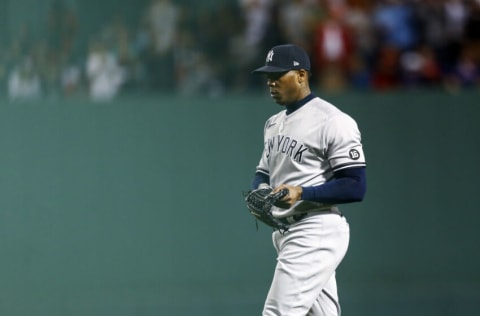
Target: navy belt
(298,217)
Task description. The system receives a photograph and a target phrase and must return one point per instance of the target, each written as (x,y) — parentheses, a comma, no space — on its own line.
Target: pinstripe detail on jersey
(265,172)
(349,165)
(330,297)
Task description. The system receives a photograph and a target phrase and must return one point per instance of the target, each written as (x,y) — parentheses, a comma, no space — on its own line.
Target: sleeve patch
(354,154)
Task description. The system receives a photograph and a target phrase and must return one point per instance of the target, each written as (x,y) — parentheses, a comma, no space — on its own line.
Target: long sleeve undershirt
(347,185)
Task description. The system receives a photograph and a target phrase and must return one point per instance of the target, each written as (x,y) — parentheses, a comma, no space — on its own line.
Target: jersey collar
(296,105)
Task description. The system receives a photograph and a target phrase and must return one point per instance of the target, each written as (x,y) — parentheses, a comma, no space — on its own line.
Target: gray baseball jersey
(305,147)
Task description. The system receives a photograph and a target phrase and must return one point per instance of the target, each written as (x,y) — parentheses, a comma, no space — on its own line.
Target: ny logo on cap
(269,56)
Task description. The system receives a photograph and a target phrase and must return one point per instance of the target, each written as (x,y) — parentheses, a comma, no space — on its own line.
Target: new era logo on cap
(283,58)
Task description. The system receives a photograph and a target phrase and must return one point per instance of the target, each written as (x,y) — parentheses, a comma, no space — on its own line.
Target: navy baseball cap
(283,58)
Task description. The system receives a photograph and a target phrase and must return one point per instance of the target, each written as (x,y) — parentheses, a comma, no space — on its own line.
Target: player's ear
(302,75)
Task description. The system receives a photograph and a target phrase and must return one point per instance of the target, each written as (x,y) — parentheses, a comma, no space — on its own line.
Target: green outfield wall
(135,207)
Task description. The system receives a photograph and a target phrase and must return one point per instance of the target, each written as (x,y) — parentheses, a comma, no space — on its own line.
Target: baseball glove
(259,203)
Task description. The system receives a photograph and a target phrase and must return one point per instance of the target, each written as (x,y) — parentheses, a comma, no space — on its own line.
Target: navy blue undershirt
(296,105)
(347,185)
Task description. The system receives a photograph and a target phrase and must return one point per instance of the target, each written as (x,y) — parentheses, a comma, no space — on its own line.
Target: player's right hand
(294,195)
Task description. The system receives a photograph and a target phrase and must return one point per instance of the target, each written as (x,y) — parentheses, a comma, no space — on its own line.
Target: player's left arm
(347,186)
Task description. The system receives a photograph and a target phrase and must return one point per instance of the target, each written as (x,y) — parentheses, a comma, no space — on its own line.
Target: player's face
(285,87)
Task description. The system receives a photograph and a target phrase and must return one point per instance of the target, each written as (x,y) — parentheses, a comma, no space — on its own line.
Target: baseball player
(314,150)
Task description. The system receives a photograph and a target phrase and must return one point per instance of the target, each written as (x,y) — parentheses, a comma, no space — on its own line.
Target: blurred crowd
(373,45)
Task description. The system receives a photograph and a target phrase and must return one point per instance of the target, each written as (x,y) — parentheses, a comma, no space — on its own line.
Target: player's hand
(294,195)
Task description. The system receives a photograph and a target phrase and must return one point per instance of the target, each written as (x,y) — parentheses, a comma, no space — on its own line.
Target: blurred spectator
(48,63)
(216,43)
(358,18)
(359,76)
(465,73)
(194,74)
(105,76)
(294,21)
(24,82)
(455,17)
(472,30)
(62,28)
(19,45)
(333,48)
(431,17)
(456,13)
(70,79)
(394,23)
(257,14)
(251,43)
(386,72)
(117,38)
(139,43)
(420,68)
(246,46)
(12,54)
(161,19)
